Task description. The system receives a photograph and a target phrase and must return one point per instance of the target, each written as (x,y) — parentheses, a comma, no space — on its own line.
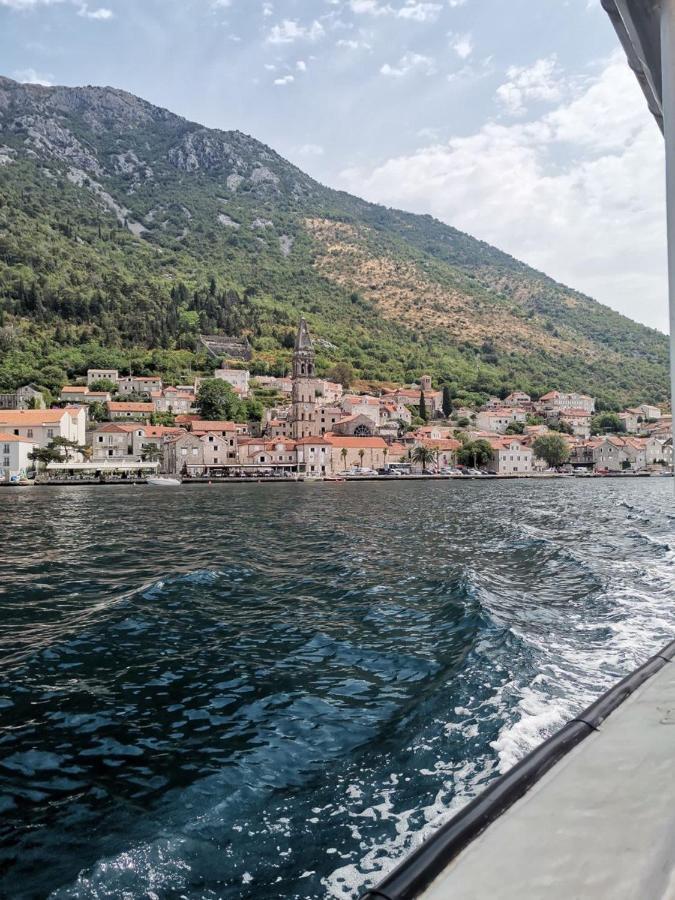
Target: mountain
(126,231)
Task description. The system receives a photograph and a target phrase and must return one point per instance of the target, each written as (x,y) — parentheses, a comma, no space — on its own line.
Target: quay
(301,479)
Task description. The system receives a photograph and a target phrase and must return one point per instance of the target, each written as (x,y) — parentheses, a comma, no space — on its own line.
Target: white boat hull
(164,482)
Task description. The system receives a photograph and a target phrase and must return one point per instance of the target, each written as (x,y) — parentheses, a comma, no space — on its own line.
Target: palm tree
(343,454)
(384,454)
(362,453)
(424,455)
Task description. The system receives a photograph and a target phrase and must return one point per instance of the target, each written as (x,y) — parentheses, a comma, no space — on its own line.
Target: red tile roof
(208,425)
(365,443)
(14,438)
(117,406)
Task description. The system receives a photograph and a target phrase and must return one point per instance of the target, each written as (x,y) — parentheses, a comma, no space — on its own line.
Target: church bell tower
(304,396)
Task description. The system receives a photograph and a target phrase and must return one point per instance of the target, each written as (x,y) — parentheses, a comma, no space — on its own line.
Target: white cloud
(27,4)
(30,76)
(577,193)
(409,62)
(284,80)
(102,13)
(290,30)
(454,3)
(419,12)
(370,8)
(541,81)
(462,44)
(301,65)
(352,44)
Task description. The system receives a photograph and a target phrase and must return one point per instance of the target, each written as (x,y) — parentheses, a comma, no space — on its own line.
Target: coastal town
(128,427)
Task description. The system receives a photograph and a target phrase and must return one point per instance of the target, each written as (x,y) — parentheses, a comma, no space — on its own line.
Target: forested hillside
(126,231)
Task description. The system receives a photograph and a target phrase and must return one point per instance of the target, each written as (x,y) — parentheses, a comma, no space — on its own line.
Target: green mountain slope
(125,231)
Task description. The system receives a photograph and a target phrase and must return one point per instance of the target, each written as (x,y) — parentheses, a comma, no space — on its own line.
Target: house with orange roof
(14,452)
(139,384)
(43,425)
(361,405)
(114,441)
(352,451)
(497,420)
(73,393)
(412,396)
(510,456)
(616,454)
(121,410)
(445,451)
(173,400)
(557,401)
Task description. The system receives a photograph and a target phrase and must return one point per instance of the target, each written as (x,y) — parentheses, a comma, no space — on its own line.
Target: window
(50,432)
(29,432)
(100,438)
(6,462)
(5,448)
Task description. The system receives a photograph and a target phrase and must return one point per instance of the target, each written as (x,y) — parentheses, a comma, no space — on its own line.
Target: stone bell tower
(304,408)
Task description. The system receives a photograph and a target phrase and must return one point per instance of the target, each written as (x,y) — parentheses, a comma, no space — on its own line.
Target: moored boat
(158,481)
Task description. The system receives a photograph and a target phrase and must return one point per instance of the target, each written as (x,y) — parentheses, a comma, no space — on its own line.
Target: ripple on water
(272,691)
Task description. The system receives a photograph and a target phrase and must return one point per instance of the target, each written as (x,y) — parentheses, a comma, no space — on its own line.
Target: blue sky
(518,122)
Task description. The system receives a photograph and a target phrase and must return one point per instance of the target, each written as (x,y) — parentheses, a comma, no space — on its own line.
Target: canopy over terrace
(108,466)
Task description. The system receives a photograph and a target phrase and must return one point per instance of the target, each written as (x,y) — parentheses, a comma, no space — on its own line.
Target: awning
(101,466)
(638,25)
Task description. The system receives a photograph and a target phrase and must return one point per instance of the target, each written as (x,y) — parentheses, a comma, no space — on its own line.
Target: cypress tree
(447,401)
(423,407)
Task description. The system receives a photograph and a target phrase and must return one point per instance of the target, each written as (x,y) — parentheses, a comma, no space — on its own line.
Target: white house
(510,456)
(43,425)
(499,419)
(138,384)
(102,375)
(555,401)
(14,450)
(238,378)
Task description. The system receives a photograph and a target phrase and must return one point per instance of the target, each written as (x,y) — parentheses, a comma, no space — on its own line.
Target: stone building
(305,417)
(26,397)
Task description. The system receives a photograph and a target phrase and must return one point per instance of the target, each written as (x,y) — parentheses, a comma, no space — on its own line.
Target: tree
(423,407)
(607,422)
(163,418)
(552,448)
(447,402)
(216,400)
(98,411)
(343,373)
(103,384)
(343,454)
(151,453)
(475,453)
(515,428)
(385,453)
(362,453)
(63,446)
(45,455)
(423,455)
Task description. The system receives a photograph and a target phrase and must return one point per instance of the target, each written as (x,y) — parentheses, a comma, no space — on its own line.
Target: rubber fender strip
(420,868)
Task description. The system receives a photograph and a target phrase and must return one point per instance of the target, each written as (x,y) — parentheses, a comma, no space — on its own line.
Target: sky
(518,122)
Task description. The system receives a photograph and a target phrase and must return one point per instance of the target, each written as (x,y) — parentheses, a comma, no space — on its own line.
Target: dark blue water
(275,691)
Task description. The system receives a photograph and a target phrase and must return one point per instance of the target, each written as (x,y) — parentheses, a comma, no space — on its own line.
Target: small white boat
(164,482)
